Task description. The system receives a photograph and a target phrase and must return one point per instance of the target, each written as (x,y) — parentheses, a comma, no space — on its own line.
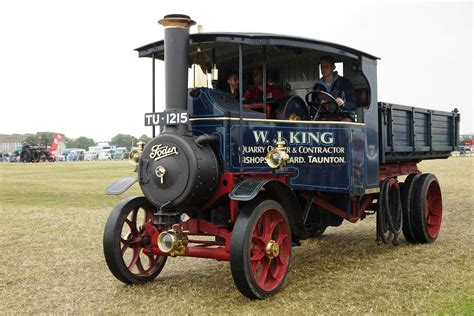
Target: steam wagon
(244,182)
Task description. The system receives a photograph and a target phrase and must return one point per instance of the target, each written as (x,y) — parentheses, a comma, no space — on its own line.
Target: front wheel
(127,242)
(260,249)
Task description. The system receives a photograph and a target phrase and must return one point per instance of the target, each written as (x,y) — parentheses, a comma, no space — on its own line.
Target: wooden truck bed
(412,134)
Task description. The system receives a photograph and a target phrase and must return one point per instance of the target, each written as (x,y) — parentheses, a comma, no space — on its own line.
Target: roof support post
(153,90)
(264,78)
(241,105)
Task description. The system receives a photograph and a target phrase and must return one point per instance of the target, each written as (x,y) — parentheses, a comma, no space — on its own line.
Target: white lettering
(293,138)
(260,136)
(159,151)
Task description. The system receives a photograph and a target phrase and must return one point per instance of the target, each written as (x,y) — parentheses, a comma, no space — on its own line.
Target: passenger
(255,94)
(340,88)
(233,81)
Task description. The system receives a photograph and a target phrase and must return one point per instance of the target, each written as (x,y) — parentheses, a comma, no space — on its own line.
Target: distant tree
(45,138)
(123,140)
(31,140)
(80,142)
(144,138)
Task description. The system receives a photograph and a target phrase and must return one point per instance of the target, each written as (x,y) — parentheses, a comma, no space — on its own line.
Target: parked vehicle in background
(105,155)
(76,155)
(71,157)
(91,156)
(13,156)
(120,153)
(60,158)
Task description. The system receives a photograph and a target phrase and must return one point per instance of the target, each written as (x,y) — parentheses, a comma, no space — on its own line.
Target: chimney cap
(177,20)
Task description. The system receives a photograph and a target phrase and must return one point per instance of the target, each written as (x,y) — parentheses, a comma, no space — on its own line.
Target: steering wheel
(328,106)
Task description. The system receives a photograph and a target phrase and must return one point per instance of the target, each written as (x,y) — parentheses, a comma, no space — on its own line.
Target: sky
(70,66)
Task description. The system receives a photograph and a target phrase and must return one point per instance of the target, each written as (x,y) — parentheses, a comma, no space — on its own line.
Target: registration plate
(166,118)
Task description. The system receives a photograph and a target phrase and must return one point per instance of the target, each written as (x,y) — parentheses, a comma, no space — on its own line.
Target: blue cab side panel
(324,157)
(321,155)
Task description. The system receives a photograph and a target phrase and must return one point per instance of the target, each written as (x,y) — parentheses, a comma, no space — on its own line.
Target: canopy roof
(207,41)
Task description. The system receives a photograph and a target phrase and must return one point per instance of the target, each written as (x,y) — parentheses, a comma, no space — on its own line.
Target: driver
(340,88)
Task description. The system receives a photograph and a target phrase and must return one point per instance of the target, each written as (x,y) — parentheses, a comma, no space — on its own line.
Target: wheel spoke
(258,240)
(133,227)
(271,230)
(139,265)
(148,217)
(134,214)
(254,266)
(263,271)
(136,256)
(124,248)
(274,270)
(258,254)
(283,256)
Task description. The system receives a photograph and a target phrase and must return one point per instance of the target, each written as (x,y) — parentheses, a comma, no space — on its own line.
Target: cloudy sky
(70,66)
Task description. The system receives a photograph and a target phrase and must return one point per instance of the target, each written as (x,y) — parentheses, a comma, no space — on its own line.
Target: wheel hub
(272,249)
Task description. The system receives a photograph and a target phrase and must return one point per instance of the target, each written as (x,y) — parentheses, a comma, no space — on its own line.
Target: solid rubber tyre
(427,208)
(116,245)
(407,201)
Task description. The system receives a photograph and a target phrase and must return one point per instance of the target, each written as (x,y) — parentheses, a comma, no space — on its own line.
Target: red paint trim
(218,253)
(366,200)
(228,180)
(234,210)
(397,169)
(320,201)
(226,184)
(357,208)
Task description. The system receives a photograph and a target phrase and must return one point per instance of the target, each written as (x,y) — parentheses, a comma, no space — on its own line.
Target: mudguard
(246,190)
(120,186)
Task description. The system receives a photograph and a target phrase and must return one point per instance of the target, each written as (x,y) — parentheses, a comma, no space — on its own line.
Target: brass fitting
(278,156)
(173,242)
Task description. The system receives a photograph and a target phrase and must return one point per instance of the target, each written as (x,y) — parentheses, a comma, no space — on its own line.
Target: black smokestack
(176,60)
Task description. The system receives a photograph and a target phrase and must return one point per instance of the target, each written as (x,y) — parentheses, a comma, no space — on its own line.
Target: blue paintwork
(327,156)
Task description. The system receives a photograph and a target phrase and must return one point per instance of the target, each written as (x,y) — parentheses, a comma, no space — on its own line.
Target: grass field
(53,216)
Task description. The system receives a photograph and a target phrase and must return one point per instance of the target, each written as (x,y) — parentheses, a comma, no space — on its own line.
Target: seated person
(233,81)
(255,94)
(340,88)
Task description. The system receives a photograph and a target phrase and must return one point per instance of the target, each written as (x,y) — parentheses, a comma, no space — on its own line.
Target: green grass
(53,217)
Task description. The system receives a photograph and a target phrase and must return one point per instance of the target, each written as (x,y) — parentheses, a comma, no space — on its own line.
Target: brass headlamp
(278,156)
(135,154)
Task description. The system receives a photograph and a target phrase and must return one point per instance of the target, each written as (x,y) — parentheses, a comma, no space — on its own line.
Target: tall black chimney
(176,60)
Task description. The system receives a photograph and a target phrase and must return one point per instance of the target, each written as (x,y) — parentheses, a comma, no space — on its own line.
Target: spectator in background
(233,81)
(255,94)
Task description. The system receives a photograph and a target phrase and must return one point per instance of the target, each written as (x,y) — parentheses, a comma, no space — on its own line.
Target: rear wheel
(25,156)
(406,193)
(427,209)
(127,242)
(260,249)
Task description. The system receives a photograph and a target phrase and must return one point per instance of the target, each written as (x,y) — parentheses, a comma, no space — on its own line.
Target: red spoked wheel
(127,242)
(260,249)
(427,208)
